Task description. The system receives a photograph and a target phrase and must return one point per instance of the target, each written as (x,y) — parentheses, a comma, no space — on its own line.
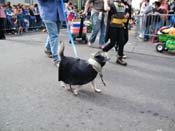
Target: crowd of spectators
(24,17)
(21,18)
(153,16)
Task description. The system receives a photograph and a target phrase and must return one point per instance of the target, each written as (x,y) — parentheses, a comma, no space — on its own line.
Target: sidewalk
(137,45)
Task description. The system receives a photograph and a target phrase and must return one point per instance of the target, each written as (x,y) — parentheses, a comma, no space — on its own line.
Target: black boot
(49,54)
(120,61)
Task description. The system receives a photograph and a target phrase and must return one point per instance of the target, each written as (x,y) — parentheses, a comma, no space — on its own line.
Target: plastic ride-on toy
(166,40)
(79,30)
(166,43)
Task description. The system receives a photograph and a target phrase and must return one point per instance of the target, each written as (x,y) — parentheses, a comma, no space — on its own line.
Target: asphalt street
(139,97)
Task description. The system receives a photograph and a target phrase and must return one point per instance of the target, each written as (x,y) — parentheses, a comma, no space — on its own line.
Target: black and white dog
(75,71)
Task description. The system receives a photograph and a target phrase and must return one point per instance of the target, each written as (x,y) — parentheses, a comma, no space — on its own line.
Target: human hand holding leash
(127,15)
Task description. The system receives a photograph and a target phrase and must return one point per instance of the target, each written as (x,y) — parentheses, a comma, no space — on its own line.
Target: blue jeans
(146,33)
(98,25)
(32,22)
(152,29)
(53,28)
(157,26)
(11,24)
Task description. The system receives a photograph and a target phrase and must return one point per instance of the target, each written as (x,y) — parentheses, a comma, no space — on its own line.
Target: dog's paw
(98,90)
(63,85)
(75,92)
(68,88)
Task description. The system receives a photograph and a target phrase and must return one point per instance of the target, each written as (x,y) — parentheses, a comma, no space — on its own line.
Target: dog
(74,71)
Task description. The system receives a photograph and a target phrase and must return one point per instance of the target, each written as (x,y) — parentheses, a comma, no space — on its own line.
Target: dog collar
(96,66)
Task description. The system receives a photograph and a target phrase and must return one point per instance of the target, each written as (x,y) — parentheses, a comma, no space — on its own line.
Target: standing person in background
(37,15)
(117,18)
(157,18)
(9,16)
(26,17)
(153,21)
(172,11)
(32,18)
(52,14)
(98,13)
(144,5)
(20,20)
(172,7)
(71,14)
(2,22)
(165,7)
(9,4)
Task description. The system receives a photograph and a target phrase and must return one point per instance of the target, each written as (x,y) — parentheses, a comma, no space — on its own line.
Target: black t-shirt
(156,14)
(31,12)
(154,17)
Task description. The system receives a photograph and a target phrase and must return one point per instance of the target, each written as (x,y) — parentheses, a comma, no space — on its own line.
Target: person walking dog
(52,14)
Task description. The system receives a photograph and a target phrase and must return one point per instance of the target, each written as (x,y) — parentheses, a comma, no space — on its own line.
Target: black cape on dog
(74,71)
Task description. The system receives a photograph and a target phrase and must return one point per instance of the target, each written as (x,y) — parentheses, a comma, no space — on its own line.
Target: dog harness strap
(96,66)
(68,30)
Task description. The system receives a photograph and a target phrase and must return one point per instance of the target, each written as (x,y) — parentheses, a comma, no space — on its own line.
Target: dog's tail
(61,49)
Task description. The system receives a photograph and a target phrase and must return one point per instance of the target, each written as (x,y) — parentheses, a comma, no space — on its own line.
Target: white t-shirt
(143,7)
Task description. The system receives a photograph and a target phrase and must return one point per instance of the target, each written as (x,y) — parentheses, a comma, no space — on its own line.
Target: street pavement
(139,97)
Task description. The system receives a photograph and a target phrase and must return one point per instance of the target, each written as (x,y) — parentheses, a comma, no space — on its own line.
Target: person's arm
(148,9)
(106,6)
(86,7)
(8,13)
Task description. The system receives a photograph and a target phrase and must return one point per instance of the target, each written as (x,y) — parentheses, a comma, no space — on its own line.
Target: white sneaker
(89,44)
(57,63)
(141,36)
(101,46)
(124,56)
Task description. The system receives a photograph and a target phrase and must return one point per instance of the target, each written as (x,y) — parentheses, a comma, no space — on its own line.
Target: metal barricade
(147,26)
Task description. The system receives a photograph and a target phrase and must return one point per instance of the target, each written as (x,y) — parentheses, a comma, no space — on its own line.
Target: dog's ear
(102,55)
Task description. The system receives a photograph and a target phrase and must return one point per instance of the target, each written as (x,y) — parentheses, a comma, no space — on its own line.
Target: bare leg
(94,87)
(64,85)
(76,90)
